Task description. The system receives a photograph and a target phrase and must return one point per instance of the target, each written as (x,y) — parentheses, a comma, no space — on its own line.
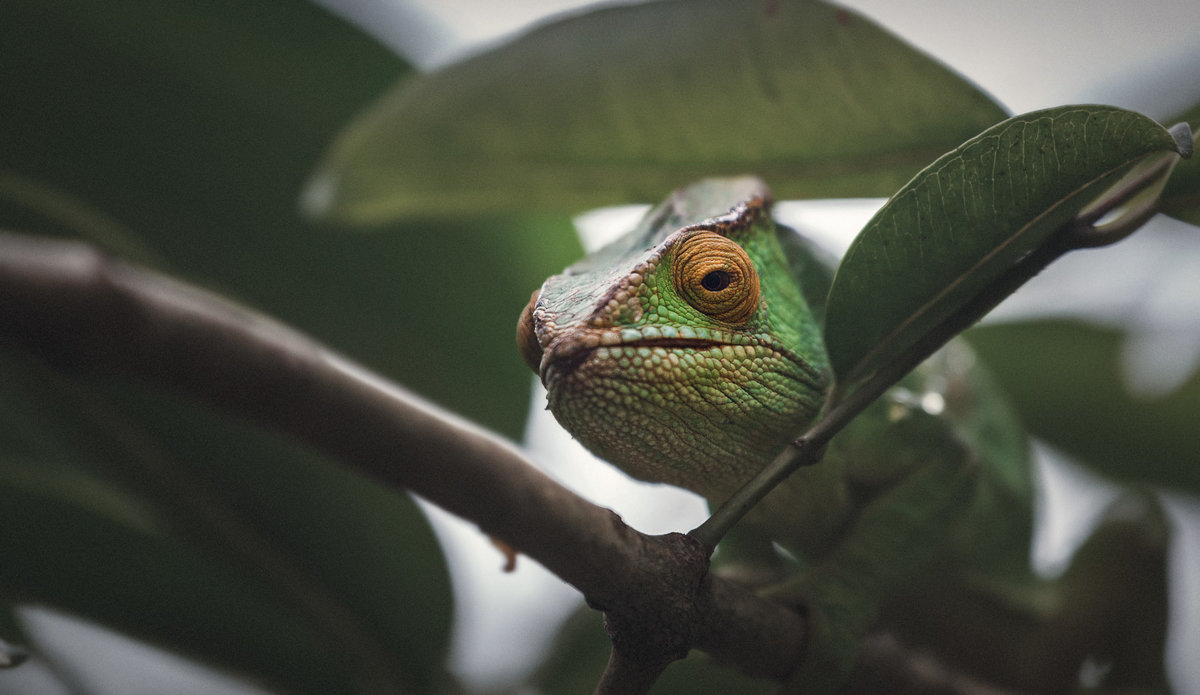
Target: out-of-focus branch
(887,667)
(82,310)
(79,309)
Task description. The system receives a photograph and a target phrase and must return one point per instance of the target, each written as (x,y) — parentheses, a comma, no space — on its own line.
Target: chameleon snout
(527,341)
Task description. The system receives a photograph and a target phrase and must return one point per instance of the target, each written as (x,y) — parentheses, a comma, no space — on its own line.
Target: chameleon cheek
(714,275)
(527,342)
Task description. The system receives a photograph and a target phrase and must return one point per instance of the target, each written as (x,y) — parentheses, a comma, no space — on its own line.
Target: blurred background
(182,139)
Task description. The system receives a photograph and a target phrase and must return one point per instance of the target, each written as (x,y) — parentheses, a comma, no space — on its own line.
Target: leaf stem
(1150,177)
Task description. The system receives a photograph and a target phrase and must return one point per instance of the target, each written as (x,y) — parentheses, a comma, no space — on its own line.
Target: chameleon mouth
(566,356)
(680,343)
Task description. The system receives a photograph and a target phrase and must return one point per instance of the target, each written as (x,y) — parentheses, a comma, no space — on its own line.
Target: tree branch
(82,310)
(79,309)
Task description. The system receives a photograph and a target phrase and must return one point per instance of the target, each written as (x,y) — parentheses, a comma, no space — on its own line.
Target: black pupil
(716,281)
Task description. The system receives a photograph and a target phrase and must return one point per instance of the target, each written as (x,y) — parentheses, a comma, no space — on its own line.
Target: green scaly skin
(925,499)
(643,378)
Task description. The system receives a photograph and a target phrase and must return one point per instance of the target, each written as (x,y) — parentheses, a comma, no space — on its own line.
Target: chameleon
(689,351)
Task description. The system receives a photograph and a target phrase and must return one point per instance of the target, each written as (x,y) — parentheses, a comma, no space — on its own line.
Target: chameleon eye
(716,281)
(714,275)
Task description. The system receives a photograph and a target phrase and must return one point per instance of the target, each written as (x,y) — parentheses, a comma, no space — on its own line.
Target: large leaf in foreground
(176,114)
(969,217)
(624,103)
(163,519)
(1063,376)
(177,134)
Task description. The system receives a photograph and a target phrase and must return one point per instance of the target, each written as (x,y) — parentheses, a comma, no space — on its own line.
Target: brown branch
(630,673)
(80,309)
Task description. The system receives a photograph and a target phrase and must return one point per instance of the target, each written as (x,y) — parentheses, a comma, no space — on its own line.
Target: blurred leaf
(624,103)
(431,304)
(1064,378)
(188,529)
(157,589)
(576,658)
(62,209)
(160,110)
(178,135)
(700,675)
(967,218)
(1181,199)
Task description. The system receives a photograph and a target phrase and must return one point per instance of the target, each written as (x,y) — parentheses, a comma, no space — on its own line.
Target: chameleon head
(684,351)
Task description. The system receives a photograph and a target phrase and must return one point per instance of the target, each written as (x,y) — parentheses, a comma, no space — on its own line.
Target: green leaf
(178,134)
(623,103)
(163,131)
(160,110)
(76,561)
(577,657)
(188,529)
(1064,378)
(967,218)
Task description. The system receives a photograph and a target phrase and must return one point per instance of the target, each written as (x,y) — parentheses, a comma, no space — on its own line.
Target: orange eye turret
(714,275)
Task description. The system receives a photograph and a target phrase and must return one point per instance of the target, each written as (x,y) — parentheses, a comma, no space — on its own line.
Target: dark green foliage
(182,135)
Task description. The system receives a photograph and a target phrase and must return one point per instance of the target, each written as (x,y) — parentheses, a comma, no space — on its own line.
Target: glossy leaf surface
(625,103)
(967,218)
(208,536)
